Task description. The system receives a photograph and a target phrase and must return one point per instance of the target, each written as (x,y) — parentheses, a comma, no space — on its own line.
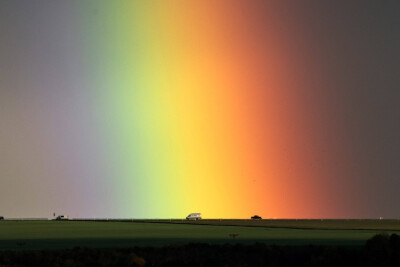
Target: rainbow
(197,109)
(157,109)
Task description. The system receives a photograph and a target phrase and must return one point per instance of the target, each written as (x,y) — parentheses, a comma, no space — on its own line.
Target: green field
(69,234)
(325,224)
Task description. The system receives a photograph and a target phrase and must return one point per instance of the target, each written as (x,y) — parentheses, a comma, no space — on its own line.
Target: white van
(62,218)
(194,216)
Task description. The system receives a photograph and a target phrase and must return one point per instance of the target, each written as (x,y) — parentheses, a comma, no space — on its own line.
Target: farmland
(322,224)
(26,235)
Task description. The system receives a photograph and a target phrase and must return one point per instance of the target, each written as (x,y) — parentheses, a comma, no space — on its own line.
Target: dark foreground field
(200,243)
(381,250)
(27,235)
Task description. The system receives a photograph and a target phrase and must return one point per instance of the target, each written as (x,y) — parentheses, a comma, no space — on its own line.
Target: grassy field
(353,224)
(69,234)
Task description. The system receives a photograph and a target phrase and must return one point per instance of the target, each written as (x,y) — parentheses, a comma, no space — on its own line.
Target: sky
(156,109)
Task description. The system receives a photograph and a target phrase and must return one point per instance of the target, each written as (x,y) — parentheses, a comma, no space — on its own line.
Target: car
(256,217)
(194,216)
(62,218)
(1,218)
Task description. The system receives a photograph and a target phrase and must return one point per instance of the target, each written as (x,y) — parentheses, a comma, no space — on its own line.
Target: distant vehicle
(194,216)
(62,218)
(1,218)
(256,217)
